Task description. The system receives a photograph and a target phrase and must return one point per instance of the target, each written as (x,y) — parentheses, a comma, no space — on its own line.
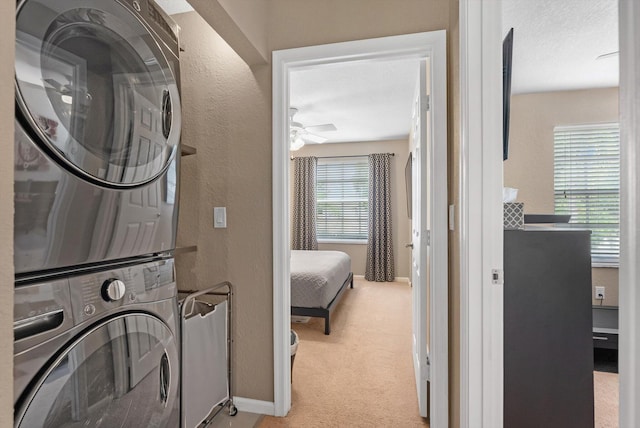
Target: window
(342,198)
(587,184)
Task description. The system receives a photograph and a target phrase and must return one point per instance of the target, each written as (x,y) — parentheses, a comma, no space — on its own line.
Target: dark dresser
(548,341)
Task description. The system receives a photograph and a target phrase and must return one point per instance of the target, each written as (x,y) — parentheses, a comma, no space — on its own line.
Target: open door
(419,239)
(428,260)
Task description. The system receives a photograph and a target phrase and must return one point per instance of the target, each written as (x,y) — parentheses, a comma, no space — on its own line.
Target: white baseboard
(396,279)
(255,406)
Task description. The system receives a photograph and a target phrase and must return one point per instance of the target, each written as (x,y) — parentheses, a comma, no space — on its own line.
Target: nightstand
(605,327)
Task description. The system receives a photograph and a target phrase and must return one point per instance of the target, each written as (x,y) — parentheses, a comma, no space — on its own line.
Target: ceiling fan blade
(312,138)
(608,55)
(321,128)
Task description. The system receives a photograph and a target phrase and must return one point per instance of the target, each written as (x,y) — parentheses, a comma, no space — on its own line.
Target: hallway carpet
(606,386)
(362,374)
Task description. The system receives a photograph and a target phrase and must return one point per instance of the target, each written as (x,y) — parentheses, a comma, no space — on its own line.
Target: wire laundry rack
(207,336)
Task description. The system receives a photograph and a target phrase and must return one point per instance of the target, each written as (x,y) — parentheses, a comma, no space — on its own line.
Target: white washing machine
(97,134)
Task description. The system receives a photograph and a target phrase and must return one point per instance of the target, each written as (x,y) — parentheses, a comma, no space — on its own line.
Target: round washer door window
(95,87)
(122,373)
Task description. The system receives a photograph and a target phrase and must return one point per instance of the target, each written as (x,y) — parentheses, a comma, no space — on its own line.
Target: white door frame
(481,231)
(481,341)
(629,283)
(432,45)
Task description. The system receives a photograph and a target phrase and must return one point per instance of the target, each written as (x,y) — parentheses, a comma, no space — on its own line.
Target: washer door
(121,373)
(95,87)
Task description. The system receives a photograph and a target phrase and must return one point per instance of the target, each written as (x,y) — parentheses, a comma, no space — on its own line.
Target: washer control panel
(95,293)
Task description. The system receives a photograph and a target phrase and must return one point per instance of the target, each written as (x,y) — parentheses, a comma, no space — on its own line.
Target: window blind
(342,198)
(587,184)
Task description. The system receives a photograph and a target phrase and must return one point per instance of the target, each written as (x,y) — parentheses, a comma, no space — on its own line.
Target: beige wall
(401,224)
(250,17)
(7,43)
(295,23)
(242,23)
(227,109)
(533,117)
(607,277)
(530,164)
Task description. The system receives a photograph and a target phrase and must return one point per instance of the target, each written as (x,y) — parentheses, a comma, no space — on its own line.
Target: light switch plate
(219,217)
(452,217)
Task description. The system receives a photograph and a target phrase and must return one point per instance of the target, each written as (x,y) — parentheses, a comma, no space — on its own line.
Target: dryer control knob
(113,290)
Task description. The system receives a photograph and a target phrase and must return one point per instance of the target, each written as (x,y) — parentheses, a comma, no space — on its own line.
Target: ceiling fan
(300,134)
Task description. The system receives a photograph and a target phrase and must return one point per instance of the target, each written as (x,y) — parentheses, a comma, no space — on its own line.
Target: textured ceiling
(556,43)
(365,100)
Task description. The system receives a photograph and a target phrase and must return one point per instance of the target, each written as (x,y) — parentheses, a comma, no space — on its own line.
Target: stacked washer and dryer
(96,181)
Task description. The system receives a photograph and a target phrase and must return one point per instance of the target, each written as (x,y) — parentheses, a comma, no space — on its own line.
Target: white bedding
(316,277)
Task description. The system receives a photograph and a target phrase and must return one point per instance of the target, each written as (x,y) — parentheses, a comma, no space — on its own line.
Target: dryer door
(96,89)
(122,373)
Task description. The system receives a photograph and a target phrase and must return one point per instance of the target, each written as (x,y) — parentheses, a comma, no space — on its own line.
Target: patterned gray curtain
(304,204)
(380,264)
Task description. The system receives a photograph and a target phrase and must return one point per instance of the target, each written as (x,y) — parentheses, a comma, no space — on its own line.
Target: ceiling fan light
(296,143)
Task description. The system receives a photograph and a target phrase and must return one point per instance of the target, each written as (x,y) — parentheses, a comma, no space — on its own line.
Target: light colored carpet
(605,387)
(362,374)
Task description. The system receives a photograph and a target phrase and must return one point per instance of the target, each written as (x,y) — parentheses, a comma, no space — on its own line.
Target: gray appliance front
(63,221)
(97,133)
(98,359)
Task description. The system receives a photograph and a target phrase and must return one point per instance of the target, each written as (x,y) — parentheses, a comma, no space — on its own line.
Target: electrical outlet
(600,293)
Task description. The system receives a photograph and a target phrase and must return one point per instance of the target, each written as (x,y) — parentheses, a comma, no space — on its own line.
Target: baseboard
(396,279)
(254,406)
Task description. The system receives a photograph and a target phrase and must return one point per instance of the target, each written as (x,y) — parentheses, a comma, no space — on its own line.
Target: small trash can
(294,347)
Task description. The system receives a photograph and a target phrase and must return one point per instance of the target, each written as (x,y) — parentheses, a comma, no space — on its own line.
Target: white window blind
(342,198)
(587,184)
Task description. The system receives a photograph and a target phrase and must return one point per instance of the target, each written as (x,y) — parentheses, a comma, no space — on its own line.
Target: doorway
(424,45)
(481,362)
(576,108)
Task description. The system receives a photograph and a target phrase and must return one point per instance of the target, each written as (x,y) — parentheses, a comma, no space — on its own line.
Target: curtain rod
(347,156)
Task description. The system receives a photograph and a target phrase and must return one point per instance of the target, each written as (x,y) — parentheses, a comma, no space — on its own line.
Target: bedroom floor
(362,374)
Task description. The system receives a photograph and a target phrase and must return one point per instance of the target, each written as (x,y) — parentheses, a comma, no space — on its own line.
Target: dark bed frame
(322,312)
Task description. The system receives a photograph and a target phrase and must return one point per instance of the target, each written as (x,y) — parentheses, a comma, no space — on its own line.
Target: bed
(318,280)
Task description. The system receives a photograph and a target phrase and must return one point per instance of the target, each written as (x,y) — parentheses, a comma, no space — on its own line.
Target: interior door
(420,240)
